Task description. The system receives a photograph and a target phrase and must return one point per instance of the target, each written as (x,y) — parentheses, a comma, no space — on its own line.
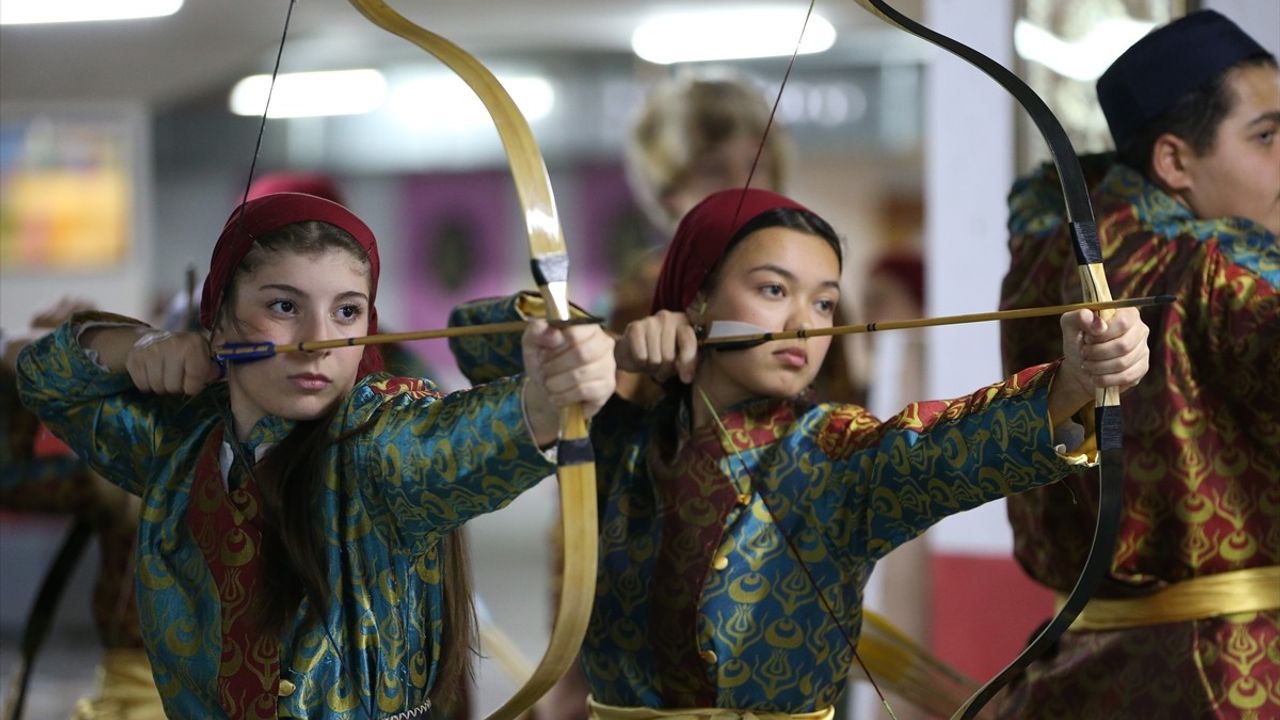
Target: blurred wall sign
(66,193)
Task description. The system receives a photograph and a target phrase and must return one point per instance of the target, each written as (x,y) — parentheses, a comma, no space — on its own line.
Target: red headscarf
(702,239)
(271,212)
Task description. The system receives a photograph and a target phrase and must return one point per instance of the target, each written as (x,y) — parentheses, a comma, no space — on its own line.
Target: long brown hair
(293,548)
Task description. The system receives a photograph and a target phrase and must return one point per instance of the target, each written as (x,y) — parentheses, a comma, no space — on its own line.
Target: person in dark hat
(1187,623)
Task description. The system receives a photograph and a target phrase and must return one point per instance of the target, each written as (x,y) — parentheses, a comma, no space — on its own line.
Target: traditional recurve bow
(550,264)
(1084,236)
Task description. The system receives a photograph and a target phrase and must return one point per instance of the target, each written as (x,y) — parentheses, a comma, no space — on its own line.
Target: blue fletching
(245,351)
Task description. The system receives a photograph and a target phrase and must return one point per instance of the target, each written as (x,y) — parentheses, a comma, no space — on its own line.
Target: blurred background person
(39,474)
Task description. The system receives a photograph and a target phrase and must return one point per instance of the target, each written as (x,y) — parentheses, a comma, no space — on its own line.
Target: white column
(969,157)
(1259,18)
(968,168)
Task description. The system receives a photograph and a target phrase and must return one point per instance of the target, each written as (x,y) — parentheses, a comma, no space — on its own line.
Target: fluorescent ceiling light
(25,12)
(445,102)
(311,94)
(1084,59)
(748,32)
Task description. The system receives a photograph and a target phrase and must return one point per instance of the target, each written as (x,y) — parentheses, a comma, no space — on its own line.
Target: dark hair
(791,218)
(1194,118)
(293,475)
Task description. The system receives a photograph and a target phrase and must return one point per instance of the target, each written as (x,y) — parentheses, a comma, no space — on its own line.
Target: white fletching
(731,328)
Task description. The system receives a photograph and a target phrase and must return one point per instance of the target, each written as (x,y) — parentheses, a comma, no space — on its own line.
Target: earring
(700,329)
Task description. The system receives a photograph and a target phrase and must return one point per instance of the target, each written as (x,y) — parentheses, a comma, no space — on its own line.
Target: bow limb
(1088,252)
(550,264)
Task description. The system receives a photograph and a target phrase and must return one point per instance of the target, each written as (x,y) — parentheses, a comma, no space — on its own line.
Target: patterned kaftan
(1202,453)
(699,602)
(416,465)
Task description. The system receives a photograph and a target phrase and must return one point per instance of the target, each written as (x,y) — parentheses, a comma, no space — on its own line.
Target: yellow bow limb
(550,264)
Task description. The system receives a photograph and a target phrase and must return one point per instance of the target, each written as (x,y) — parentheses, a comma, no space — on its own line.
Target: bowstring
(755,164)
(757,489)
(773,112)
(244,200)
(266,108)
(262,129)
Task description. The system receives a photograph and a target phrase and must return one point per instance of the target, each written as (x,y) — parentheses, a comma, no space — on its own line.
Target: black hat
(1168,63)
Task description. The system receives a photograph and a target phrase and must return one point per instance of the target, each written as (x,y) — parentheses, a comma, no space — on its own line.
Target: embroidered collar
(751,423)
(265,434)
(1151,204)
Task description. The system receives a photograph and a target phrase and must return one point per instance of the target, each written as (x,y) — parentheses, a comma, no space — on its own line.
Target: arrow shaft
(249,351)
(385,338)
(936,321)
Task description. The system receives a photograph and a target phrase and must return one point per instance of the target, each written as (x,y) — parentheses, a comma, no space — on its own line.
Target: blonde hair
(683,119)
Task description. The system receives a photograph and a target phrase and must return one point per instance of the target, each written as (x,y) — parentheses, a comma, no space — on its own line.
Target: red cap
(702,239)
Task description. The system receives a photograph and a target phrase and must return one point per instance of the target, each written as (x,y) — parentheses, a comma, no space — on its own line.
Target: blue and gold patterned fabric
(414,466)
(700,601)
(1202,441)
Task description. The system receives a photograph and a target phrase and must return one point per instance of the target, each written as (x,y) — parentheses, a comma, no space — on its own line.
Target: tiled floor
(63,673)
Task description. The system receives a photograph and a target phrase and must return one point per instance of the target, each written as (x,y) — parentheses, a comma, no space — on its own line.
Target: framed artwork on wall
(68,191)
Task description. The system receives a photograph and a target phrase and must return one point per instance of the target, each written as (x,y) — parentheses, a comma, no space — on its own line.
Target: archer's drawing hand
(171,363)
(662,345)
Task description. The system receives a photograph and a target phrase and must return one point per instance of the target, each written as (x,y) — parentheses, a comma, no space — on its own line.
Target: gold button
(721,563)
(708,655)
(744,499)
(287,688)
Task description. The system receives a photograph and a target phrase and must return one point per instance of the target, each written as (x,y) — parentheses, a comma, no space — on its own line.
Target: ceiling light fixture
(311,94)
(1084,59)
(737,34)
(444,102)
(30,12)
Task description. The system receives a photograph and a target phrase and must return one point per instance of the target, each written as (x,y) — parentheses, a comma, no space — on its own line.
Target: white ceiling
(211,43)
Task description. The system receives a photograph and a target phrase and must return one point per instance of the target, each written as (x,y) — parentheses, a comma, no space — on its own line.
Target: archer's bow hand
(566,366)
(662,345)
(1097,354)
